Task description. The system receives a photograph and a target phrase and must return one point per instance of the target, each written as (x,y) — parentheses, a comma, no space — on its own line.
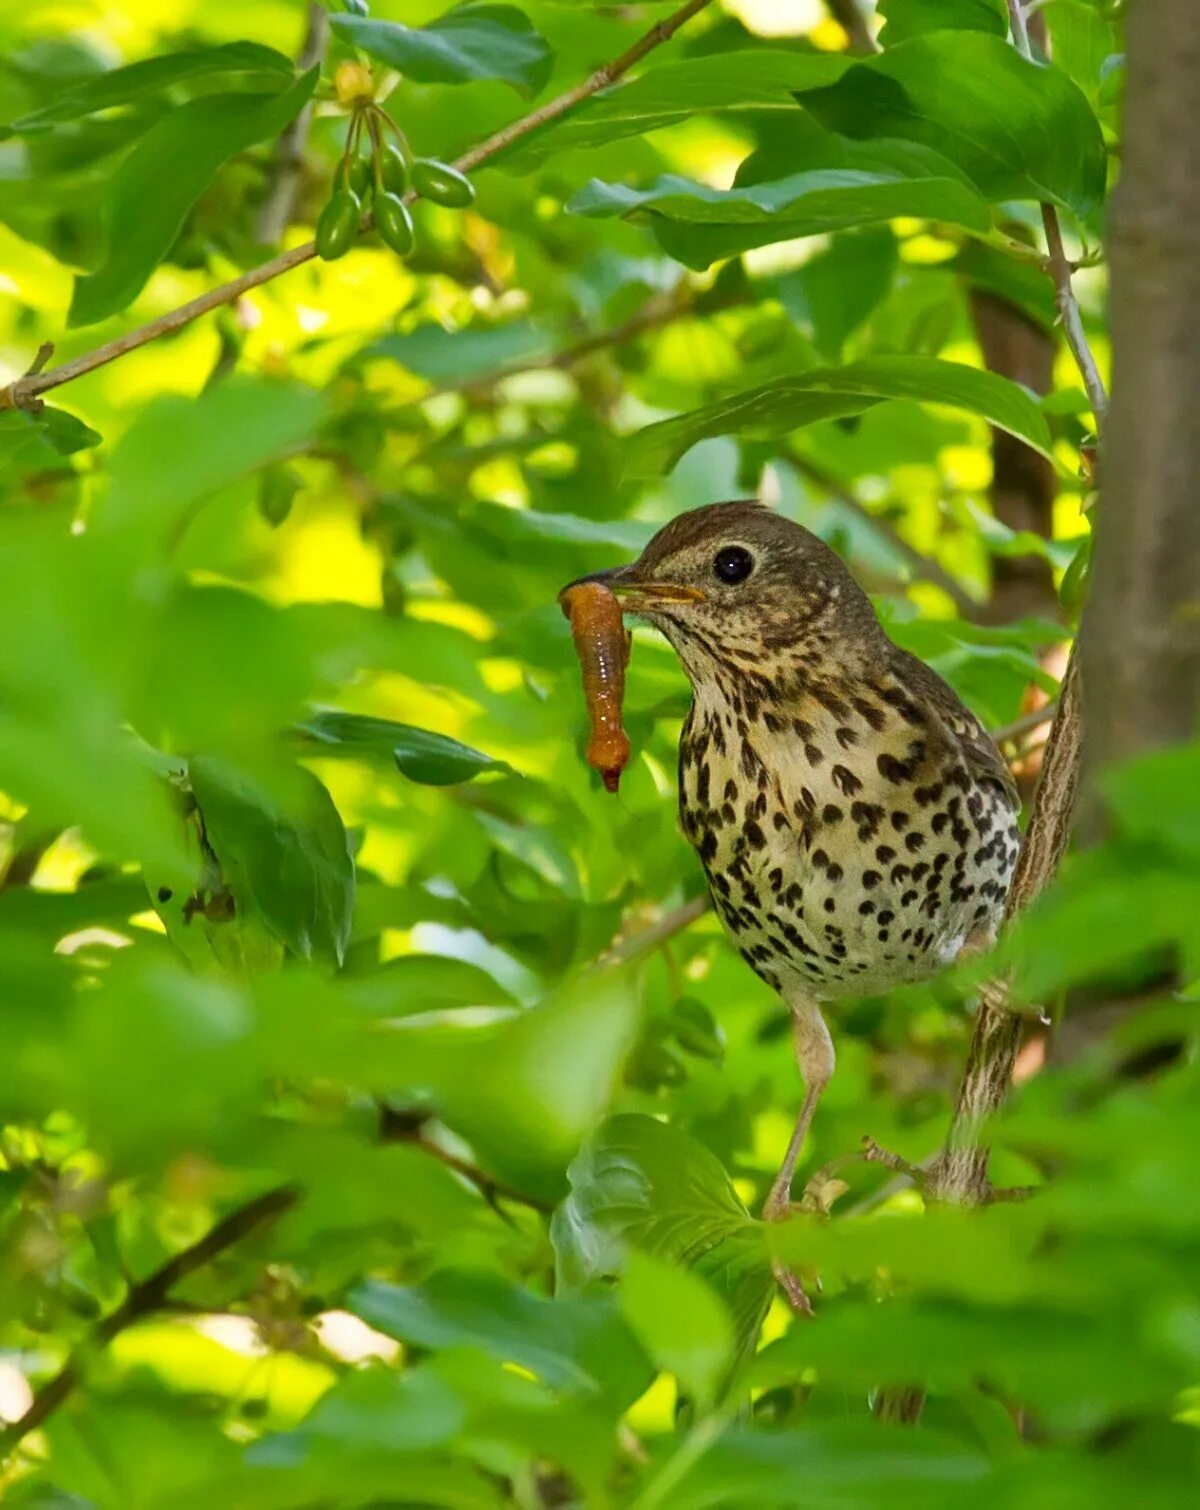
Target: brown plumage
(856,823)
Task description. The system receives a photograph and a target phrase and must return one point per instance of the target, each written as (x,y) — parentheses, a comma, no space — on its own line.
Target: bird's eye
(733,563)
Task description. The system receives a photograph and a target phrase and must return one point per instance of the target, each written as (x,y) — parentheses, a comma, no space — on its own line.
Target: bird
(857,826)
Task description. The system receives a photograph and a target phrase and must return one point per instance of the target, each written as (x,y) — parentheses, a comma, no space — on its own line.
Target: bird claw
(790,1284)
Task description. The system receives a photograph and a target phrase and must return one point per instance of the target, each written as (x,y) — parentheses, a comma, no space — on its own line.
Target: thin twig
(634,944)
(659,310)
(1058,266)
(399,1125)
(275,212)
(1034,719)
(149,1295)
(19,393)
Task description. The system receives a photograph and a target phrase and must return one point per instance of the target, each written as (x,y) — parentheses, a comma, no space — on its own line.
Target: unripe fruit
(394,223)
(442,184)
(394,170)
(338,225)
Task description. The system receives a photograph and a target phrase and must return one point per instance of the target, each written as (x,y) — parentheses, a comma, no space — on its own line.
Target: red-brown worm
(602,645)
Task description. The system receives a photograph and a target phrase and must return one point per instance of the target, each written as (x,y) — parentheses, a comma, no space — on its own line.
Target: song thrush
(856,823)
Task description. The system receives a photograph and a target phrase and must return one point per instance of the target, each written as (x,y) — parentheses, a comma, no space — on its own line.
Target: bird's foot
(778,1207)
(794,1291)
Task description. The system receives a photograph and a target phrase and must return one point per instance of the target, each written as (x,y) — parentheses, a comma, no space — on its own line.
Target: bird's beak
(635,593)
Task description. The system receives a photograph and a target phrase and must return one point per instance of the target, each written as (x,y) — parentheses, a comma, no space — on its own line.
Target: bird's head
(736,587)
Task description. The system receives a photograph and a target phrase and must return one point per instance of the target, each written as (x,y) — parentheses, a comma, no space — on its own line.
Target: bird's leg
(814,1055)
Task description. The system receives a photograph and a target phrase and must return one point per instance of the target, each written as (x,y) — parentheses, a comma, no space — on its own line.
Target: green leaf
(461,356)
(836,291)
(1018,129)
(642,1183)
(808,203)
(905,19)
(161,179)
(29,439)
(744,82)
(421,755)
(121,86)
(681,1323)
(775,409)
(282,848)
(469,42)
(216,438)
(577,1345)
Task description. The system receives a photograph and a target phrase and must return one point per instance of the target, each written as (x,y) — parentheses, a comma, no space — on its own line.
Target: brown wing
(984,760)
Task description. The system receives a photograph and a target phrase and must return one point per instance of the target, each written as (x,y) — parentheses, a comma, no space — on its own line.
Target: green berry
(394,170)
(355,173)
(394,223)
(442,184)
(338,224)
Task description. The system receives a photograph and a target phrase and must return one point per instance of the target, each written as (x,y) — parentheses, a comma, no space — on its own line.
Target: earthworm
(602,645)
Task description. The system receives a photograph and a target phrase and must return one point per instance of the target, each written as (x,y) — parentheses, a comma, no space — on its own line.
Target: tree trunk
(1140,645)
(1023,482)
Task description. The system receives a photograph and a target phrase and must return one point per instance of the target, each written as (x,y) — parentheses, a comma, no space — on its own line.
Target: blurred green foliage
(304,883)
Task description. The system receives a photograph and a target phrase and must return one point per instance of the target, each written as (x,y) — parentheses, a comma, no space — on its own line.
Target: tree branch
(21,392)
(275,212)
(400,1125)
(632,945)
(149,1295)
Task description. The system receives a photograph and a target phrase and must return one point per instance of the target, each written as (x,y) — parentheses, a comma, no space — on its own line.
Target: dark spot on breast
(774,723)
(866,908)
(804,729)
(899,821)
(834,873)
(914,841)
(847,738)
(831,813)
(755,837)
(871,879)
(830,904)
(845,780)
(885,853)
(876,717)
(813,755)
(731,790)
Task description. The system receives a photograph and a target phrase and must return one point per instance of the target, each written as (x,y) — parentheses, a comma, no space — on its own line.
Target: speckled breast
(848,850)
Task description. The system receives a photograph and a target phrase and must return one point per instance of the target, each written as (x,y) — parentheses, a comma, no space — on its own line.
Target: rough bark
(1141,634)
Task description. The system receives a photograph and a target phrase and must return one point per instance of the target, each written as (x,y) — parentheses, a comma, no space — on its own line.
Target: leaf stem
(19,393)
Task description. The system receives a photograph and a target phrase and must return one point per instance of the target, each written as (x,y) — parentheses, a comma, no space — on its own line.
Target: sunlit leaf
(777,408)
(472,41)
